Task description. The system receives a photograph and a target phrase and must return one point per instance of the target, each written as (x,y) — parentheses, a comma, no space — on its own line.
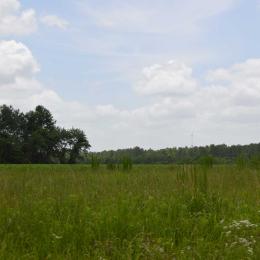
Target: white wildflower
(228,233)
(250,250)
(160,249)
(56,236)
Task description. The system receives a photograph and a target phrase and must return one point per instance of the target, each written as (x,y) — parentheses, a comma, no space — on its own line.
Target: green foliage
(78,142)
(222,154)
(95,162)
(127,164)
(241,161)
(207,161)
(34,138)
(156,212)
(254,161)
(12,123)
(111,166)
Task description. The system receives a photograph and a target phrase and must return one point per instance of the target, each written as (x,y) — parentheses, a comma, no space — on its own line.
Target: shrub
(95,162)
(127,164)
(207,161)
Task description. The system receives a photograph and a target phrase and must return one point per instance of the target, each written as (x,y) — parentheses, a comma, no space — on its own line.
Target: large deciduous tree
(34,138)
(12,123)
(40,135)
(77,142)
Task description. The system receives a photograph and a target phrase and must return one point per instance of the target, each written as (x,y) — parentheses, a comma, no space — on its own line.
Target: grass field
(152,212)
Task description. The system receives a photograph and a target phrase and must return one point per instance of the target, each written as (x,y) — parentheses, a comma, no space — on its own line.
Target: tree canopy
(33,137)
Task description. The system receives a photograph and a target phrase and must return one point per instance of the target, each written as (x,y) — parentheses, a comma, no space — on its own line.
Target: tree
(63,146)
(78,143)
(41,135)
(34,138)
(11,135)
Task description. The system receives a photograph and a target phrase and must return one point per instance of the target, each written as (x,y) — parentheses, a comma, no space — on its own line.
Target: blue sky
(146,73)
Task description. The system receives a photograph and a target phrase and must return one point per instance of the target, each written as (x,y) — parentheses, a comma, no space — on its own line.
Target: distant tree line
(186,155)
(33,137)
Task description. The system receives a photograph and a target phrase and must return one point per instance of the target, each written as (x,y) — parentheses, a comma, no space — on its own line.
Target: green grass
(151,212)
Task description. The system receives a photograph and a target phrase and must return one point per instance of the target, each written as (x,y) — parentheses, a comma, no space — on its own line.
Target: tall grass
(154,212)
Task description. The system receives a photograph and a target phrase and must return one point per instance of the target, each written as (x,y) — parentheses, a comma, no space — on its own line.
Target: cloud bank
(223,107)
(14,20)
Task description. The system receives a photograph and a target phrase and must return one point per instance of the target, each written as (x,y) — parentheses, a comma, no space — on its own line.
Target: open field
(152,212)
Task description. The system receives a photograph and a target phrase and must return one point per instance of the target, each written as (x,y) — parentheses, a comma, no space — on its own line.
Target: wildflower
(233,244)
(228,233)
(56,236)
(250,250)
(160,249)
(244,241)
(240,224)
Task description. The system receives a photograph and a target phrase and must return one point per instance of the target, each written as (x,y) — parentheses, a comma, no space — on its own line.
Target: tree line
(34,137)
(221,154)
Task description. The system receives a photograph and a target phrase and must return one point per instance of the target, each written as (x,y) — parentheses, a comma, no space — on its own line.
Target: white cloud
(18,85)
(226,109)
(55,21)
(157,16)
(20,88)
(14,20)
(242,82)
(16,60)
(171,78)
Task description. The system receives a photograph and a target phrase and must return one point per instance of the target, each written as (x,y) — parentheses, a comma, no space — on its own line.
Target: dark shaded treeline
(221,154)
(33,137)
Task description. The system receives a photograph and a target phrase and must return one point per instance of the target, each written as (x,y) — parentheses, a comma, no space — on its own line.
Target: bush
(127,164)
(241,161)
(95,162)
(111,166)
(207,161)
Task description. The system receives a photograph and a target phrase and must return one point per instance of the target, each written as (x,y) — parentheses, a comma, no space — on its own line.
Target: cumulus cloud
(14,20)
(241,81)
(55,21)
(171,78)
(16,60)
(225,109)
(20,88)
(18,85)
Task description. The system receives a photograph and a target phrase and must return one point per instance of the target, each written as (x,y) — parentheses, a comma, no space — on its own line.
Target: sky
(136,73)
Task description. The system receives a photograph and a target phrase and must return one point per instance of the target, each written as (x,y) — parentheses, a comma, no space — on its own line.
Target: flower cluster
(240,234)
(240,225)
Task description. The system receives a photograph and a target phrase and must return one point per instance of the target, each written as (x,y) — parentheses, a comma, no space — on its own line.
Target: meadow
(150,212)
